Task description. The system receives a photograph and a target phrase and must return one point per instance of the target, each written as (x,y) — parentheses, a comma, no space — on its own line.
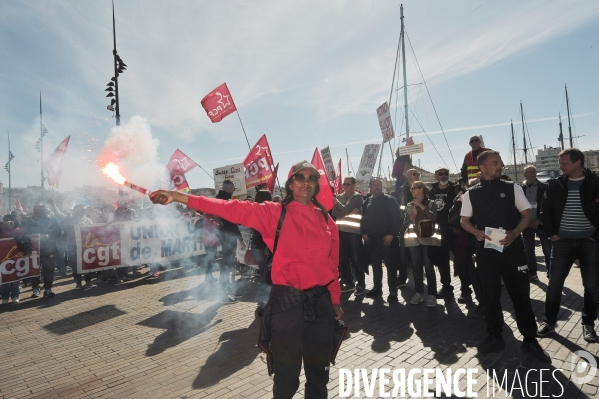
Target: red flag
(270,186)
(178,165)
(258,164)
(219,103)
(338,180)
(325,196)
(53,164)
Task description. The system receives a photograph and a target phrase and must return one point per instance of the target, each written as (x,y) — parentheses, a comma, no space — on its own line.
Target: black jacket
(540,194)
(555,198)
(228,231)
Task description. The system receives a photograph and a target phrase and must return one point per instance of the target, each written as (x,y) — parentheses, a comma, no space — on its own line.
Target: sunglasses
(442,173)
(474,141)
(299,178)
(415,174)
(348,184)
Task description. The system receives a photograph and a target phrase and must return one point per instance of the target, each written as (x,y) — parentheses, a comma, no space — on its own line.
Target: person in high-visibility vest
(470,167)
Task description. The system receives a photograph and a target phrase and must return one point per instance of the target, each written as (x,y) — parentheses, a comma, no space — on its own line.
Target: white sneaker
(431,301)
(15,300)
(417,299)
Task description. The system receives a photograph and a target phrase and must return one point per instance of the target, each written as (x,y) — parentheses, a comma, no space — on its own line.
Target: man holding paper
(500,212)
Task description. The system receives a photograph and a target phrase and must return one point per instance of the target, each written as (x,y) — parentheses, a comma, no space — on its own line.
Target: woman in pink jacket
(299,319)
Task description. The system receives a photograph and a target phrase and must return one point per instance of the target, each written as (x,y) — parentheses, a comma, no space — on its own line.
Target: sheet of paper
(496,236)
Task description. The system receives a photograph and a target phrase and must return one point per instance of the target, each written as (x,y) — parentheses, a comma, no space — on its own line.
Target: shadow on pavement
(84,319)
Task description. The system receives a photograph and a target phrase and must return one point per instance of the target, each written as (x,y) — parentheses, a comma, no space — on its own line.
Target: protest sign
(328,164)
(235,173)
(368,161)
(411,149)
(385,122)
(16,266)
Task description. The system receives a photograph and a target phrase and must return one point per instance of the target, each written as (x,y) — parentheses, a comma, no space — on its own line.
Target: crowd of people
(306,255)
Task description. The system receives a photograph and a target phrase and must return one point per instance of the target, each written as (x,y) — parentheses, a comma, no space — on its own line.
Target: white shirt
(521,202)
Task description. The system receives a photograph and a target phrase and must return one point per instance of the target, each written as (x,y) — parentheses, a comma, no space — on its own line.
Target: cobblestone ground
(165,338)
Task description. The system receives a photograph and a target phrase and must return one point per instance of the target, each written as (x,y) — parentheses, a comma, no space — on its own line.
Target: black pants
(227,265)
(72,254)
(350,246)
(448,241)
(511,265)
(469,276)
(294,340)
(47,268)
(379,252)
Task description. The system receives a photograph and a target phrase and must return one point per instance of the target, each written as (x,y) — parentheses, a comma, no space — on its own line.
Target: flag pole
(41,147)
(242,128)
(9,181)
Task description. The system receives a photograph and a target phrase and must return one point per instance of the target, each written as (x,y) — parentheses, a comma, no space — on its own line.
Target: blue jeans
(528,235)
(563,254)
(420,258)
(11,290)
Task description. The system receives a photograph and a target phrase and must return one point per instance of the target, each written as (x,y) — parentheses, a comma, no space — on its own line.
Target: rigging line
(532,154)
(429,95)
(427,136)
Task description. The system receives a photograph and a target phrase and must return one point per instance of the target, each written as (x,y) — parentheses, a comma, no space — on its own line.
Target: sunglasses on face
(415,174)
(299,178)
(442,173)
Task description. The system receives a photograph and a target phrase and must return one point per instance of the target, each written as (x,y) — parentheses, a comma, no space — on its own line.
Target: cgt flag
(53,164)
(218,103)
(178,165)
(258,164)
(325,196)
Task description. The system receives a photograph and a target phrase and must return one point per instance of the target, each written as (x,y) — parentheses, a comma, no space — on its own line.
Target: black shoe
(445,293)
(373,293)
(588,333)
(49,294)
(359,290)
(544,329)
(464,298)
(535,349)
(402,284)
(491,343)
(347,288)
(392,299)
(228,299)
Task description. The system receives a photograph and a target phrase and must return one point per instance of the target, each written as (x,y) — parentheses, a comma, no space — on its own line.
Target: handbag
(425,228)
(411,239)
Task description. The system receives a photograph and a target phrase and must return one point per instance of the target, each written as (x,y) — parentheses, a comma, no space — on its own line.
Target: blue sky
(305,73)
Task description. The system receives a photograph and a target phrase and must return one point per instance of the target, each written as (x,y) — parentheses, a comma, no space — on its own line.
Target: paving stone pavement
(165,338)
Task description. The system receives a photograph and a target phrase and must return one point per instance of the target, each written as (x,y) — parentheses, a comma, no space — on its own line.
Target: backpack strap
(279,226)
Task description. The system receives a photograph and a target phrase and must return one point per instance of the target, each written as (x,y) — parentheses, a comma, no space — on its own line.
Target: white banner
(371,151)
(108,246)
(385,122)
(235,173)
(411,149)
(328,164)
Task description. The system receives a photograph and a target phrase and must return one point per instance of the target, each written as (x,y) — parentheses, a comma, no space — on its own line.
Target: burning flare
(112,170)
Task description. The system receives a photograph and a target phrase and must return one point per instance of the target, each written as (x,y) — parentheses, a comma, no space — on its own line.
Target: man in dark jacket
(228,235)
(443,193)
(380,225)
(534,191)
(570,218)
(49,230)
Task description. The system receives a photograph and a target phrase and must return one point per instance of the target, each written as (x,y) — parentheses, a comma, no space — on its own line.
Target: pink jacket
(308,249)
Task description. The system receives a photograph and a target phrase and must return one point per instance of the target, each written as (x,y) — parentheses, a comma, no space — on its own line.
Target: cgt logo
(15,266)
(101,247)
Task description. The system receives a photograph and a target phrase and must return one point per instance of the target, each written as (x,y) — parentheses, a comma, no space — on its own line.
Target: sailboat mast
(405,86)
(524,135)
(569,124)
(561,132)
(514,150)
(41,147)
(347,159)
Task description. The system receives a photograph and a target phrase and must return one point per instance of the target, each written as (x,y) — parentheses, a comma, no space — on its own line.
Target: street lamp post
(113,85)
